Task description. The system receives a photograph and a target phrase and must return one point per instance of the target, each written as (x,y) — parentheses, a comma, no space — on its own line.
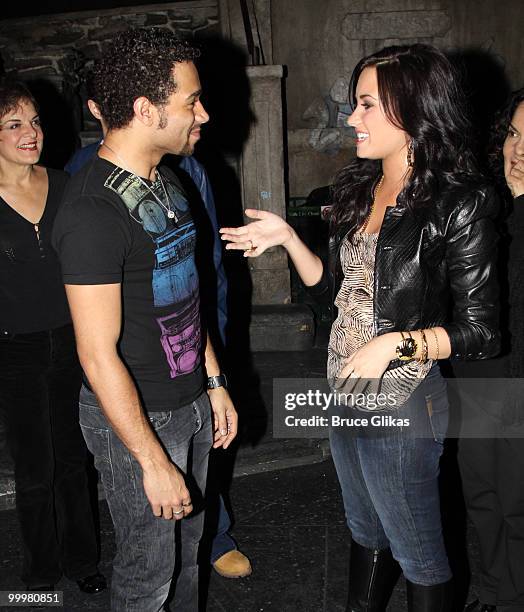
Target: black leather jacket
(435,267)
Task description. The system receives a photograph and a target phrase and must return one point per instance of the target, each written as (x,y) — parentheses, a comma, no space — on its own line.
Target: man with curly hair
(126,241)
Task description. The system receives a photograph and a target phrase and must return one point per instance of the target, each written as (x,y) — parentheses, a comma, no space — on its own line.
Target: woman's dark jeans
(40,380)
(389,481)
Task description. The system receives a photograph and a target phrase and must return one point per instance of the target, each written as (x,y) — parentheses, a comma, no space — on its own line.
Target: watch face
(406,349)
(216,381)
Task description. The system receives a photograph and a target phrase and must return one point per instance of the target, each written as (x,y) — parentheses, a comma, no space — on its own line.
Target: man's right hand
(166,491)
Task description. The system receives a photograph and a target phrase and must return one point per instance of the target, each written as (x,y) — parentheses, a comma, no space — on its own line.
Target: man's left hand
(225,417)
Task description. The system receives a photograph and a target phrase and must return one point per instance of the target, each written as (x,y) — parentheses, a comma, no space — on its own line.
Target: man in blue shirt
(226,559)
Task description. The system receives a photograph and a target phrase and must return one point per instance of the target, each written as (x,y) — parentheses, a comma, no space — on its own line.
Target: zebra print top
(354,325)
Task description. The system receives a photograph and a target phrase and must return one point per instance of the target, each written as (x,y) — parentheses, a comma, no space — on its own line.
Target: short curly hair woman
(40,375)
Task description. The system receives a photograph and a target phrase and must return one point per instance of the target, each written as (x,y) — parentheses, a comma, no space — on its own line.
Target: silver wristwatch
(217,381)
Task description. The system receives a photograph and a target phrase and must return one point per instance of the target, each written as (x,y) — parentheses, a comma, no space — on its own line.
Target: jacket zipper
(39,240)
(372,577)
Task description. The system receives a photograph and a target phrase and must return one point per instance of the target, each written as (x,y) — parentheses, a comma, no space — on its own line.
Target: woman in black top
(39,371)
(413,272)
(492,467)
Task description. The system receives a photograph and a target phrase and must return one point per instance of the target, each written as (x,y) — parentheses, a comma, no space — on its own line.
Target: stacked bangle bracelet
(436,342)
(424,352)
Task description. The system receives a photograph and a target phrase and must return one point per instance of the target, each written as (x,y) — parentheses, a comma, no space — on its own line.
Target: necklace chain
(375,194)
(170,213)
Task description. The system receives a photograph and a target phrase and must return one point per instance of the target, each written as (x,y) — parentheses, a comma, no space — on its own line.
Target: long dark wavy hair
(498,136)
(420,93)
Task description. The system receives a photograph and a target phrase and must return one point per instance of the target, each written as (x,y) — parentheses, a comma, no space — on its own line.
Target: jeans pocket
(98,442)
(159,419)
(437,424)
(88,398)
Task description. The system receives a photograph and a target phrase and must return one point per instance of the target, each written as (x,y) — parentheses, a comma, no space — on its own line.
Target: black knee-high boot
(434,598)
(373,574)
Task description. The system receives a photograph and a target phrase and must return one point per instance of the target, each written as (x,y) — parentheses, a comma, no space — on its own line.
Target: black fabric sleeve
(92,239)
(319,289)
(325,283)
(58,178)
(517,228)
(471,255)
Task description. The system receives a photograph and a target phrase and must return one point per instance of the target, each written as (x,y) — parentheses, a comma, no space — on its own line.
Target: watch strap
(213,382)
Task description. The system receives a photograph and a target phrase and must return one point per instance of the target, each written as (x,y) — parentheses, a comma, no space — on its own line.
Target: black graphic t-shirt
(114,227)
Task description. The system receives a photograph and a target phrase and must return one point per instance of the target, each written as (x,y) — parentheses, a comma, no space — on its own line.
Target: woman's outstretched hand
(254,238)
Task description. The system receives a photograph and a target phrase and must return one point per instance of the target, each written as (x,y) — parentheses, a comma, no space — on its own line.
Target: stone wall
(38,45)
(55,48)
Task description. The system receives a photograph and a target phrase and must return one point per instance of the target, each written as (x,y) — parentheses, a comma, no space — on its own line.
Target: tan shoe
(233,564)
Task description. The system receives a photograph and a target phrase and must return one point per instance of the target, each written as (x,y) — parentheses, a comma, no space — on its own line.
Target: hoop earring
(409,155)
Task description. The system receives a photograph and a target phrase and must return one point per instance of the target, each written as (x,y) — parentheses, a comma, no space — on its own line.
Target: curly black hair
(137,63)
(499,132)
(13,92)
(421,93)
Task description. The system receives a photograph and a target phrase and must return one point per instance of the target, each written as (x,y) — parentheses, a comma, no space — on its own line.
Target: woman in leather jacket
(413,275)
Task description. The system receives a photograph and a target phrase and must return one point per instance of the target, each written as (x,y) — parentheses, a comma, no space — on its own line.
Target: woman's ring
(251,245)
(178,511)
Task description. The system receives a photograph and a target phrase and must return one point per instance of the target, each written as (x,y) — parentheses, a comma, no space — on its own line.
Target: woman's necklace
(170,213)
(367,279)
(375,194)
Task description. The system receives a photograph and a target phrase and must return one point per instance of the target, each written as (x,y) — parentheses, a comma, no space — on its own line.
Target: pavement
(287,509)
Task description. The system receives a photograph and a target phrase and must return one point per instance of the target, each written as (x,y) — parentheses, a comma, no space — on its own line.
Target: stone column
(262,179)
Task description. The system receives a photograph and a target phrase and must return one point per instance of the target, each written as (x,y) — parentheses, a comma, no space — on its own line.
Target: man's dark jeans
(147,545)
(39,384)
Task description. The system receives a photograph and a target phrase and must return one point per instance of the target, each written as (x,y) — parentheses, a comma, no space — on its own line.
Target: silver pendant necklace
(170,213)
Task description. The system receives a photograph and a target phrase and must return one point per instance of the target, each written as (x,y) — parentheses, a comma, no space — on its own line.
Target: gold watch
(407,348)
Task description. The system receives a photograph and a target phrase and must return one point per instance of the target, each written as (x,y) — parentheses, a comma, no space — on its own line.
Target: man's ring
(251,245)
(178,511)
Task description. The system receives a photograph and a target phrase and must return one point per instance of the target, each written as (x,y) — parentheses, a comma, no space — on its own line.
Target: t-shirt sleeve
(92,239)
